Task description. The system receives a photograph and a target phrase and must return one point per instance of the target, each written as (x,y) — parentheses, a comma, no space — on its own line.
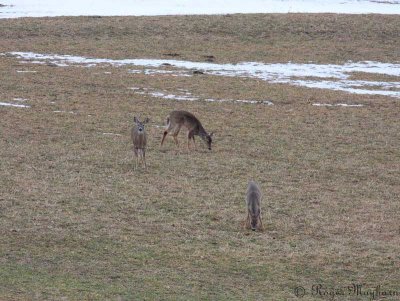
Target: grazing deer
(177,119)
(253,203)
(139,139)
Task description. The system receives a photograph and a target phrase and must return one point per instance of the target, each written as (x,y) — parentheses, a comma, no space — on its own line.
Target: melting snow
(336,105)
(333,77)
(183,95)
(111,134)
(6,104)
(161,71)
(69,112)
(51,8)
(26,71)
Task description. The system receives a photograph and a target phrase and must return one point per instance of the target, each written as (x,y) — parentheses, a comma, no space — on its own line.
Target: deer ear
(146,120)
(135,119)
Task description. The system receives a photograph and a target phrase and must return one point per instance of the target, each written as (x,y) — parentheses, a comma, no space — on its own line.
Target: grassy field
(78,223)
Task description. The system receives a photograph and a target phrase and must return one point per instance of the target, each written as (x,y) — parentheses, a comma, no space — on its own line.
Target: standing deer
(139,139)
(177,119)
(253,202)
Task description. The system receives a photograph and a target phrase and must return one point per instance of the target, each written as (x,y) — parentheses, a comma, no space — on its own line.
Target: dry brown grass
(229,38)
(76,222)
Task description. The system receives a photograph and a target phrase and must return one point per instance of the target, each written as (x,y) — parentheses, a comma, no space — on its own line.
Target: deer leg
(144,158)
(247,224)
(175,135)
(190,135)
(165,135)
(140,157)
(261,224)
(194,143)
(136,156)
(176,141)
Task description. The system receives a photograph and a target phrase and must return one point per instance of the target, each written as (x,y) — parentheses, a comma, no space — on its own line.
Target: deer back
(186,119)
(253,198)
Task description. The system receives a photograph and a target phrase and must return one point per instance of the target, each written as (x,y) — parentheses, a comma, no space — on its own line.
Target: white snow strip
(135,71)
(246,101)
(161,72)
(172,96)
(187,96)
(6,104)
(266,102)
(69,112)
(328,76)
(33,62)
(26,71)
(111,134)
(51,8)
(336,105)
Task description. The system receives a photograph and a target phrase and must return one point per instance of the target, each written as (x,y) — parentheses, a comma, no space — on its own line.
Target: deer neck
(202,133)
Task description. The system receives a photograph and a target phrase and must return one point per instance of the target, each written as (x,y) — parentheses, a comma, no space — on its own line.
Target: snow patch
(184,95)
(6,104)
(337,105)
(60,111)
(26,71)
(51,8)
(161,72)
(316,76)
(111,134)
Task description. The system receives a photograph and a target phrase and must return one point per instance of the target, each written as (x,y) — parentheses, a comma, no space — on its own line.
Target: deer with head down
(253,203)
(139,139)
(178,119)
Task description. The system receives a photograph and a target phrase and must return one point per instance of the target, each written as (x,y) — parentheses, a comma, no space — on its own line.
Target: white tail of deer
(139,139)
(177,119)
(253,203)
